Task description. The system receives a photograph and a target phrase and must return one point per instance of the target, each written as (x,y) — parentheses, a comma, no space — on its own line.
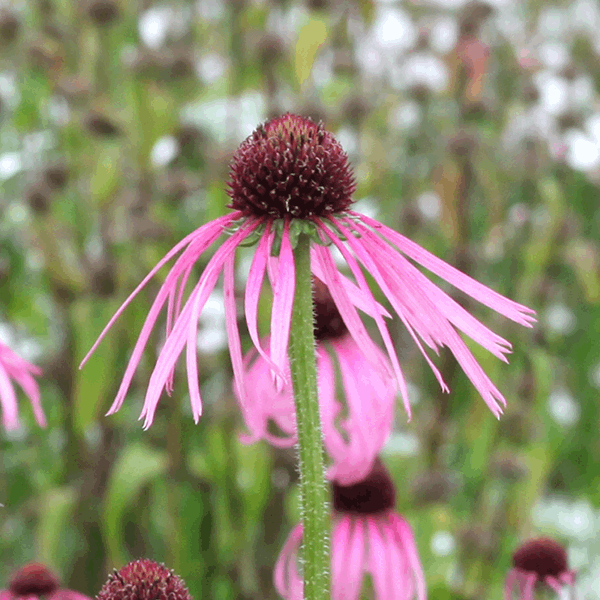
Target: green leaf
(138,465)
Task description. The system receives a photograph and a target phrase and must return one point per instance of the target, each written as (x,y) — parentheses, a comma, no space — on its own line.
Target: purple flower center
(372,495)
(33,579)
(144,580)
(290,167)
(328,321)
(543,556)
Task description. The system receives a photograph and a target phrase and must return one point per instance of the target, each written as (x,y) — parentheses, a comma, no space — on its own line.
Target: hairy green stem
(315,513)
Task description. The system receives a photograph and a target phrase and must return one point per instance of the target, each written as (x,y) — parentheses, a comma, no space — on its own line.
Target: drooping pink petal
(379,562)
(206,231)
(288,581)
(510,309)
(407,540)
(186,323)
(553,583)
(359,298)
(254,283)
(351,581)
(283,302)
(340,541)
(8,399)
(233,334)
(530,581)
(509,584)
(347,310)
(357,272)
(402,583)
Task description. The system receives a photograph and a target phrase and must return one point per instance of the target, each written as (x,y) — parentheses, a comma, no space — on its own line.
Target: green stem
(316,521)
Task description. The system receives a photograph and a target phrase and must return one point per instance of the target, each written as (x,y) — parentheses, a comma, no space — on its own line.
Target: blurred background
(474,128)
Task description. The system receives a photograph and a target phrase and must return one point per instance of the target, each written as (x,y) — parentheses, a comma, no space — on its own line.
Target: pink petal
(357,272)
(509,584)
(340,538)
(283,301)
(404,532)
(8,399)
(379,562)
(512,310)
(351,582)
(288,582)
(209,229)
(348,313)
(253,286)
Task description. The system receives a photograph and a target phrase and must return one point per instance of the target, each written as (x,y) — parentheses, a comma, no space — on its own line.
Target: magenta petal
(355,563)
(340,539)
(347,310)
(509,584)
(405,534)
(8,399)
(512,310)
(283,302)
(288,581)
(378,562)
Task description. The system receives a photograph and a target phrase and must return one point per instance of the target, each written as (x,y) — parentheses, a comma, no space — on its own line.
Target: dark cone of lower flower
(542,556)
(144,579)
(33,579)
(290,167)
(374,494)
(328,321)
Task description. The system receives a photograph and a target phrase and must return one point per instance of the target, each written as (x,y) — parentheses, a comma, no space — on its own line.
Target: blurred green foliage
(115,144)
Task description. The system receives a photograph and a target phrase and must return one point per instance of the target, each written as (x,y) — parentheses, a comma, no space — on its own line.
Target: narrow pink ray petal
(330,407)
(509,584)
(6,595)
(211,272)
(283,302)
(347,310)
(188,258)
(396,300)
(8,399)
(357,272)
(449,308)
(402,580)
(233,334)
(530,582)
(253,286)
(187,320)
(285,574)
(568,578)
(30,387)
(206,230)
(553,583)
(378,562)
(404,532)
(351,582)
(340,538)
(358,297)
(510,309)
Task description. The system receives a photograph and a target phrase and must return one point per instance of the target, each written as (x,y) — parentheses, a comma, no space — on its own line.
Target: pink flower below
(14,368)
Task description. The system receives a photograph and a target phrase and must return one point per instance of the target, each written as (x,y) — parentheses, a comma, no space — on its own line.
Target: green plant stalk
(315,512)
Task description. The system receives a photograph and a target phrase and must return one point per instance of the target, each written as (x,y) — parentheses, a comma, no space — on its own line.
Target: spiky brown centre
(144,580)
(328,321)
(374,494)
(290,167)
(542,556)
(33,579)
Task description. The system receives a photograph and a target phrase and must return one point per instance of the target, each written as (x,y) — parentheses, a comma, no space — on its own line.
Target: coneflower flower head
(144,579)
(538,562)
(368,537)
(291,177)
(14,368)
(34,581)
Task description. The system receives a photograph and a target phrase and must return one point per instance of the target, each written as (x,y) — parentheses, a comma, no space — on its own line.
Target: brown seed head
(290,167)
(542,556)
(372,495)
(33,579)
(144,580)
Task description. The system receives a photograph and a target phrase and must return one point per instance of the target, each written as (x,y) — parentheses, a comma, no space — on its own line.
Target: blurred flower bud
(75,89)
(178,64)
(178,184)
(271,49)
(433,486)
(344,63)
(355,109)
(530,93)
(39,197)
(516,426)
(103,12)
(103,281)
(317,4)
(463,144)
(100,125)
(477,541)
(9,26)
(569,72)
(473,16)
(419,92)
(191,139)
(569,120)
(507,465)
(56,176)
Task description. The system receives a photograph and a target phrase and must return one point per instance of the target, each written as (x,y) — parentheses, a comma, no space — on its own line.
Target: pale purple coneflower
(292,176)
(537,563)
(14,368)
(35,581)
(356,423)
(368,537)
